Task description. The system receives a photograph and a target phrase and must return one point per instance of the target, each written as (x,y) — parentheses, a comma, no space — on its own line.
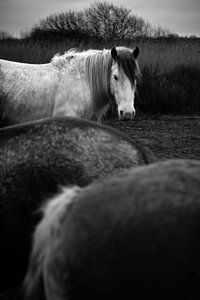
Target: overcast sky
(180,16)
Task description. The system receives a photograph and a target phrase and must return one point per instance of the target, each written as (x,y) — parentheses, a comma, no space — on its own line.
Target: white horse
(78,84)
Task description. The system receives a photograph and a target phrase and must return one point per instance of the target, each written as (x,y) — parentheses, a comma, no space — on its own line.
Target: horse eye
(115,77)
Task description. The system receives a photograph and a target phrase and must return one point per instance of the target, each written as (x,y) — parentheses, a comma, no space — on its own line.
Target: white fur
(45,236)
(77,84)
(123,90)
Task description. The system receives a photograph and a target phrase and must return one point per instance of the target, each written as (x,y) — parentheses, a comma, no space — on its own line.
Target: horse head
(124,73)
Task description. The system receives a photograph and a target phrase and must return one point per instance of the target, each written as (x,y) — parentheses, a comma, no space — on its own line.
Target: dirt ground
(165,136)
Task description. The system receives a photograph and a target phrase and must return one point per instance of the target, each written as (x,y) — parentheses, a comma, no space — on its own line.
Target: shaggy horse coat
(76,84)
(35,160)
(131,236)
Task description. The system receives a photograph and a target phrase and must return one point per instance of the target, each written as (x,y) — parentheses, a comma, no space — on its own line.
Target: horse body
(35,160)
(78,84)
(130,236)
(26,91)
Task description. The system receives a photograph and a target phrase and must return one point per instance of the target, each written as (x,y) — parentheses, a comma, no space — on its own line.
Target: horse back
(27,91)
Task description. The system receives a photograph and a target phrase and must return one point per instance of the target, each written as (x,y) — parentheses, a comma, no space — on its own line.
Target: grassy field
(170,68)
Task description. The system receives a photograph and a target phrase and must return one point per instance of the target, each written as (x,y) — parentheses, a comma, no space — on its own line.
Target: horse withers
(77,84)
(35,160)
(128,236)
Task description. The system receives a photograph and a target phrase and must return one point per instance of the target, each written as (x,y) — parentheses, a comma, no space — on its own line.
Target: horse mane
(59,61)
(127,62)
(98,71)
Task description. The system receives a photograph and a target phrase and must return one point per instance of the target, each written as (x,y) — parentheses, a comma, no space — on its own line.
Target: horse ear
(136,52)
(114,52)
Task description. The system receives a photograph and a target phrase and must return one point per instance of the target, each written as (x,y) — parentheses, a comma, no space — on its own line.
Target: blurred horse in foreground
(37,158)
(129,236)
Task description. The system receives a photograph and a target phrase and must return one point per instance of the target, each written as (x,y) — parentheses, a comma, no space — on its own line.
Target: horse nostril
(128,116)
(121,113)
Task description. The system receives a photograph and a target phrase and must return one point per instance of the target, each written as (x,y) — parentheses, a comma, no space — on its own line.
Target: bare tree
(109,21)
(102,20)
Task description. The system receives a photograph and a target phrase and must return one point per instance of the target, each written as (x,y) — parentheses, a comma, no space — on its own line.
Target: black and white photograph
(99,150)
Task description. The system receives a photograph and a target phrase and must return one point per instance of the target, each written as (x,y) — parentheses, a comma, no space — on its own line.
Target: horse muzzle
(125,116)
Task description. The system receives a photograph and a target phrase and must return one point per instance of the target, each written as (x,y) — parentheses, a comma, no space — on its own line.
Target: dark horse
(35,160)
(131,236)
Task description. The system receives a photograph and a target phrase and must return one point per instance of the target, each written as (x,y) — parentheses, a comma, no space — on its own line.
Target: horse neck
(97,66)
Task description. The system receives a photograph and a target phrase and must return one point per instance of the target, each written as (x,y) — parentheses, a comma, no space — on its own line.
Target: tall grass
(171,76)
(170,68)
